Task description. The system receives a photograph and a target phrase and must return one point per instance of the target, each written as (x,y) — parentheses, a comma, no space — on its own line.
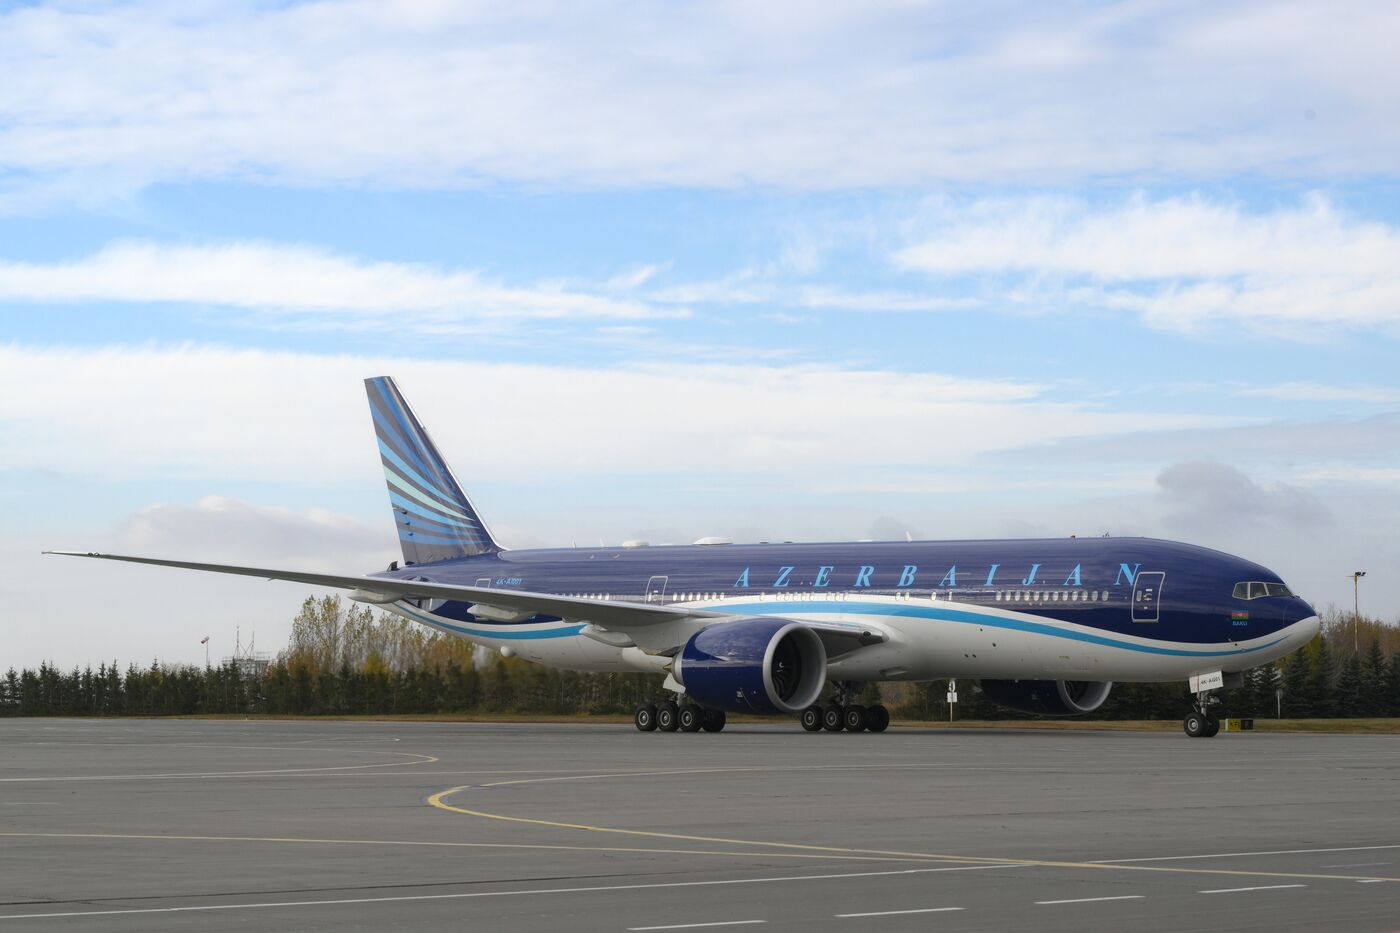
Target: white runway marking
(1090,900)
(1183,858)
(435,843)
(1262,887)
(475,894)
(892,913)
(179,775)
(696,926)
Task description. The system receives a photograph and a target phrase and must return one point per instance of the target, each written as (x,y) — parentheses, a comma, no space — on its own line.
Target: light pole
(1356,609)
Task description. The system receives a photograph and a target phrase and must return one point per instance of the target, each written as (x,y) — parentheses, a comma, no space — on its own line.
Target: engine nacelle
(1048,697)
(753,666)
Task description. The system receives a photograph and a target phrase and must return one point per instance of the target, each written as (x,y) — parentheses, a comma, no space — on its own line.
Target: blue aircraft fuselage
(1151,591)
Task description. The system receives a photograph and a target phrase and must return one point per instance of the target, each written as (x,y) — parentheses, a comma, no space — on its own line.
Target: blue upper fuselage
(1141,586)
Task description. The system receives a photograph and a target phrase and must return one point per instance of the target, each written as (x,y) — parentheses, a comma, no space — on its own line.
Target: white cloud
(1179,262)
(1318,392)
(402,94)
(224,528)
(626,281)
(244,414)
(774,287)
(279,277)
(1349,474)
(1370,441)
(1204,495)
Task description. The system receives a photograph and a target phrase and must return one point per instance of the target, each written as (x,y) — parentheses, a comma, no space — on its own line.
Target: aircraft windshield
(1254,590)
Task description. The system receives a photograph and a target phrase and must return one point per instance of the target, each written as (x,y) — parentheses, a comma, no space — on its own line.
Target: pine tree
(1297,701)
(1373,681)
(1348,694)
(1324,673)
(1392,686)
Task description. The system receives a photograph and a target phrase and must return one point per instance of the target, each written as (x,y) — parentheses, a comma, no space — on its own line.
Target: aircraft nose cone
(1302,611)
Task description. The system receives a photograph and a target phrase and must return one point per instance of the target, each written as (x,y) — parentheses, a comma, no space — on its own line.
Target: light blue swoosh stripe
(423,537)
(566,632)
(403,438)
(396,480)
(413,507)
(448,501)
(974,618)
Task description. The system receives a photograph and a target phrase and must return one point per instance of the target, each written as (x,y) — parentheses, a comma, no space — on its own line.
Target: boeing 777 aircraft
(1046,625)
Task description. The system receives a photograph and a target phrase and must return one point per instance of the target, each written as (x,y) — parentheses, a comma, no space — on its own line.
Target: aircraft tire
(645,718)
(877,718)
(812,719)
(690,718)
(1212,728)
(1194,725)
(667,717)
(713,720)
(853,719)
(833,718)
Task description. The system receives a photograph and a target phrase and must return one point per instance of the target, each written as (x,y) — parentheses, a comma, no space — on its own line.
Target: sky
(778,271)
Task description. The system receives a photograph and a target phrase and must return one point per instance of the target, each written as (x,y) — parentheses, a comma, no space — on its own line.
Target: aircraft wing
(603,612)
(653,625)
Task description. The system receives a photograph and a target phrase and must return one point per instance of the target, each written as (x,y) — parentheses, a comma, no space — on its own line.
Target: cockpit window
(1254,590)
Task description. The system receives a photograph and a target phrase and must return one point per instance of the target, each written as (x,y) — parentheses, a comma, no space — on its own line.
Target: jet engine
(753,666)
(1048,697)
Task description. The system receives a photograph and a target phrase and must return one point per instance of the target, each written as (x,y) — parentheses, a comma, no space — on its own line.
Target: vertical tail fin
(435,519)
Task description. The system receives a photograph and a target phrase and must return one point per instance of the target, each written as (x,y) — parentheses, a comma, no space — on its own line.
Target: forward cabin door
(1147,596)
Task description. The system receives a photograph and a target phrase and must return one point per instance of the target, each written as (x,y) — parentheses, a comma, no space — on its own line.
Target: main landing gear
(1201,722)
(842,715)
(670,716)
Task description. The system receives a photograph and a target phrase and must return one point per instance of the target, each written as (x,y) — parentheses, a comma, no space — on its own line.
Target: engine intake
(753,666)
(1048,697)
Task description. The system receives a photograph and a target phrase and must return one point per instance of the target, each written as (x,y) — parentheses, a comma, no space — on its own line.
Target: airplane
(1046,626)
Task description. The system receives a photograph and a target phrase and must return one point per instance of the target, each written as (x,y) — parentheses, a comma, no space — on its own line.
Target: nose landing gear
(1201,722)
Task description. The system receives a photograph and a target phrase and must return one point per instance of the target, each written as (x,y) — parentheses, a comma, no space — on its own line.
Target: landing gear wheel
(712,720)
(690,718)
(877,718)
(833,718)
(1195,725)
(1212,727)
(667,716)
(812,719)
(854,718)
(645,718)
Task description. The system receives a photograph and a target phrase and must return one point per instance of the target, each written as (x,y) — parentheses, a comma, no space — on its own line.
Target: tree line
(347,660)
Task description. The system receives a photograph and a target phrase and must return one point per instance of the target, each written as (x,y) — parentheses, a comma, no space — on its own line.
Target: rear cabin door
(1147,596)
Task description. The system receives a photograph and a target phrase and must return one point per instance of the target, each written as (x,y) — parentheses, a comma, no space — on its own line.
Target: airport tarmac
(179,824)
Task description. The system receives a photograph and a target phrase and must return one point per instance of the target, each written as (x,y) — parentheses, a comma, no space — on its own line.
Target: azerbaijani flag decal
(1239,615)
